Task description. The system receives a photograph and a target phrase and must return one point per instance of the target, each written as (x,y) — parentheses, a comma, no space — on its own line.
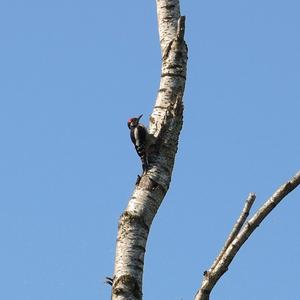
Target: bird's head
(133,122)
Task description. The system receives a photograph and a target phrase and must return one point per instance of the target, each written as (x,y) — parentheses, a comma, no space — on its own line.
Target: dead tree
(165,125)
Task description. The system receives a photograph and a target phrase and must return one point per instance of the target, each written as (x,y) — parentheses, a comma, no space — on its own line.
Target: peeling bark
(165,125)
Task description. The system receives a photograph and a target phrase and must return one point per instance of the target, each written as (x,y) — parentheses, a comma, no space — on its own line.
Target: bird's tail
(143,155)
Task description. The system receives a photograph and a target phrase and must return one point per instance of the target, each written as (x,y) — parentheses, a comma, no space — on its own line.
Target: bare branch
(237,227)
(214,274)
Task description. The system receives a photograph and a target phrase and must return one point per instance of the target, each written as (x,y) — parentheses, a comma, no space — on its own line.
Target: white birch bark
(165,125)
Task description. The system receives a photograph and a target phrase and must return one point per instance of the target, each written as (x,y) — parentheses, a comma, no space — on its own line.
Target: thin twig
(237,227)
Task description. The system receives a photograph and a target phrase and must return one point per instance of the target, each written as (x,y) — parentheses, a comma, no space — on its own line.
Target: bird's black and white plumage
(139,138)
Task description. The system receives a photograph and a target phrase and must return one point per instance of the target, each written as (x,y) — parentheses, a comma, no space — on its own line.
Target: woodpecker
(139,137)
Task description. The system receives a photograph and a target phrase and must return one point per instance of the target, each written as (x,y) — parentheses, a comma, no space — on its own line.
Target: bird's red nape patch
(129,120)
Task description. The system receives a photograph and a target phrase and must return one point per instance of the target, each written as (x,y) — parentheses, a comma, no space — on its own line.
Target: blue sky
(72,73)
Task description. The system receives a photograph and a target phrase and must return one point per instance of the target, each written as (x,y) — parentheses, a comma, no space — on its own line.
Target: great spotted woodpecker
(139,137)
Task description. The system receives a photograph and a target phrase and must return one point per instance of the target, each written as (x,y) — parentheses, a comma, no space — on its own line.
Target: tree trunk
(165,126)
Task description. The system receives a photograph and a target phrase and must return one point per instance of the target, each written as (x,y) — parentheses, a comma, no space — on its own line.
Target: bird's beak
(139,117)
